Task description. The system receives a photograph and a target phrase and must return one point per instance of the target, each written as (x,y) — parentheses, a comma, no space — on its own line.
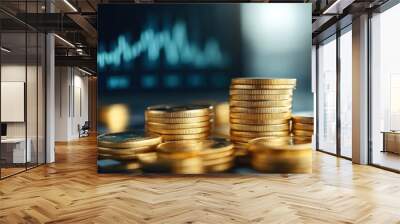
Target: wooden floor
(70,191)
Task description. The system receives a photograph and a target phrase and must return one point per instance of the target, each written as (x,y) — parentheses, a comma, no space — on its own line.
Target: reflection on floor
(9,170)
(387,159)
(71,191)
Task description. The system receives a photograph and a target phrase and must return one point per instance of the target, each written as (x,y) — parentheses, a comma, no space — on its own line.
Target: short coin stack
(259,107)
(302,129)
(124,148)
(280,155)
(175,123)
(197,156)
(217,155)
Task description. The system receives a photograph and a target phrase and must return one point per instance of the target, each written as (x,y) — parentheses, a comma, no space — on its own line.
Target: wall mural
(171,99)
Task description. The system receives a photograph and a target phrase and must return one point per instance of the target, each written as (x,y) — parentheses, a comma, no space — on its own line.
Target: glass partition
(385,89)
(14,153)
(346,93)
(327,96)
(22,92)
(32,97)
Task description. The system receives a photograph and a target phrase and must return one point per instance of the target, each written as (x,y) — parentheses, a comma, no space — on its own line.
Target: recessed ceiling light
(64,40)
(84,71)
(70,5)
(5,50)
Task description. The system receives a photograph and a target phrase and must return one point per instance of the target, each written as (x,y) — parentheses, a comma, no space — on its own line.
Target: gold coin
(240,152)
(178,126)
(242,145)
(261,92)
(125,166)
(215,146)
(220,167)
(241,139)
(218,155)
(259,110)
(238,86)
(283,161)
(130,165)
(129,151)
(131,139)
(259,122)
(188,170)
(169,111)
(259,134)
(150,157)
(185,137)
(267,154)
(178,120)
(105,156)
(303,133)
(116,157)
(186,131)
(217,161)
(303,119)
(180,149)
(261,97)
(302,142)
(181,162)
(302,138)
(278,166)
(262,81)
(265,145)
(246,116)
(261,128)
(262,103)
(247,139)
(304,127)
(192,165)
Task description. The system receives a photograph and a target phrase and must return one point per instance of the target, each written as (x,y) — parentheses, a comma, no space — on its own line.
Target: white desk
(18,149)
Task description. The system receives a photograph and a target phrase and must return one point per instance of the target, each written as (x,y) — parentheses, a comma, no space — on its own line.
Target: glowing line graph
(177,49)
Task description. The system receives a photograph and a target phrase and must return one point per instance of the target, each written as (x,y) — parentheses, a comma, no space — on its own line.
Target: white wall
(71,102)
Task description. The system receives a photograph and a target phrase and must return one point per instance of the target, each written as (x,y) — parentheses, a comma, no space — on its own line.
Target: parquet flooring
(71,191)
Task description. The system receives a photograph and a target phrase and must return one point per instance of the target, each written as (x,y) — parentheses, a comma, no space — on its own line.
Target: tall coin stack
(302,129)
(123,149)
(259,107)
(175,123)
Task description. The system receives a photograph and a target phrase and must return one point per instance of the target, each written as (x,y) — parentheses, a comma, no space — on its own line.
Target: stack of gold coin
(125,147)
(182,156)
(175,123)
(197,156)
(302,129)
(259,107)
(280,155)
(217,155)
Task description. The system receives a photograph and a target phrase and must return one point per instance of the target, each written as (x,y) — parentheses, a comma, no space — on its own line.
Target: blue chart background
(181,53)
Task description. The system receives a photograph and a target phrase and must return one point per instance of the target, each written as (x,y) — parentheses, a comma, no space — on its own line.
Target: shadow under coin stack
(303,129)
(197,156)
(175,123)
(118,152)
(280,155)
(259,108)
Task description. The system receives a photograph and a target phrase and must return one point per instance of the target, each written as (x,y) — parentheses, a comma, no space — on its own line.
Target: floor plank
(71,191)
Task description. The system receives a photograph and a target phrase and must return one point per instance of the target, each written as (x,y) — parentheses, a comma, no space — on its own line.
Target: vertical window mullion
(338,98)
